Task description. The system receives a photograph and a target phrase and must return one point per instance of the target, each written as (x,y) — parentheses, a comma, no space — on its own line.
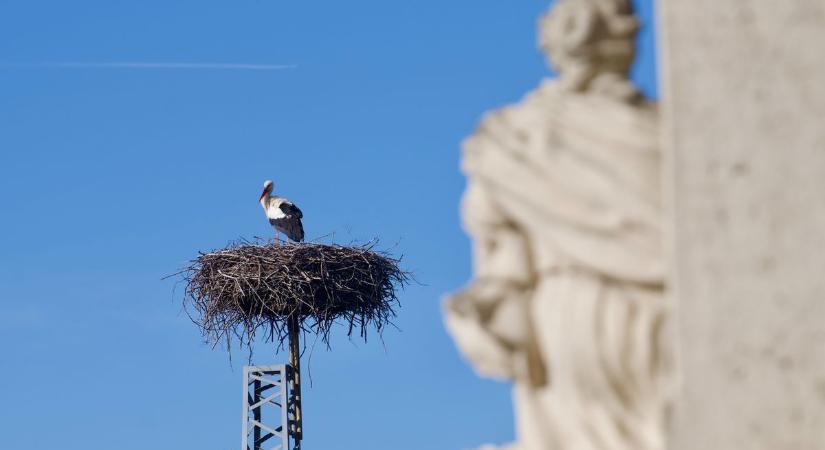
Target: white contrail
(144,65)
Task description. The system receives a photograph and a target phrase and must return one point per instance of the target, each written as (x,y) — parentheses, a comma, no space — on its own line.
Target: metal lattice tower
(268,410)
(274,392)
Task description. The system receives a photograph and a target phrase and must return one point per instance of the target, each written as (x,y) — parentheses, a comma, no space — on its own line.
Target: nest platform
(248,289)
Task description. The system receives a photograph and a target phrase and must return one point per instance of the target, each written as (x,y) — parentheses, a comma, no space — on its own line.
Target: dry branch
(251,288)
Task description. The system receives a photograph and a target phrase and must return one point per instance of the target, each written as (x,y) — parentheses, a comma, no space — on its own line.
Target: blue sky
(112,178)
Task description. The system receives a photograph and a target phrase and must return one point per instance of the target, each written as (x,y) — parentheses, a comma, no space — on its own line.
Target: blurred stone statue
(564,207)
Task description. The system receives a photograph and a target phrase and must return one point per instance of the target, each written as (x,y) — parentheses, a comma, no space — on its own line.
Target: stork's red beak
(262,194)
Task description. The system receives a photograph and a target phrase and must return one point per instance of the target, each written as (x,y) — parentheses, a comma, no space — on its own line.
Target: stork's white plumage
(283,215)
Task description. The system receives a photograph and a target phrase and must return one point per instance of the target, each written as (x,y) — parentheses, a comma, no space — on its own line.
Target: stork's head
(267,188)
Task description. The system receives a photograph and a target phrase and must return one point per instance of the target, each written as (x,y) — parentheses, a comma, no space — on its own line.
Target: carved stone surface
(590,44)
(564,208)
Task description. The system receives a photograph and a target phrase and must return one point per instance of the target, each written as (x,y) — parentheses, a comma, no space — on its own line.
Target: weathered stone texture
(744,105)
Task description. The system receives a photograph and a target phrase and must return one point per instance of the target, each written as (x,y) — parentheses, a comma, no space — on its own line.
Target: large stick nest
(252,288)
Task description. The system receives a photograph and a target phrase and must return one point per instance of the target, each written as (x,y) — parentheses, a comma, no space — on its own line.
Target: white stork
(284,216)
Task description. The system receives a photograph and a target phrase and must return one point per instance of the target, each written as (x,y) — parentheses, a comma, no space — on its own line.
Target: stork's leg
(278,237)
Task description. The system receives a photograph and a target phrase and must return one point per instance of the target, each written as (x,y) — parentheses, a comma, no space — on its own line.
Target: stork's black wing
(291,210)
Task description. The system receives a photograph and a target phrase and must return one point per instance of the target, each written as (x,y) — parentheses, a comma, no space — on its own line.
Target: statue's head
(589,41)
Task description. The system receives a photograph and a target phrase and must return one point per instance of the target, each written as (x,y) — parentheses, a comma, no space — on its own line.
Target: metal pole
(245,417)
(295,426)
(256,415)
